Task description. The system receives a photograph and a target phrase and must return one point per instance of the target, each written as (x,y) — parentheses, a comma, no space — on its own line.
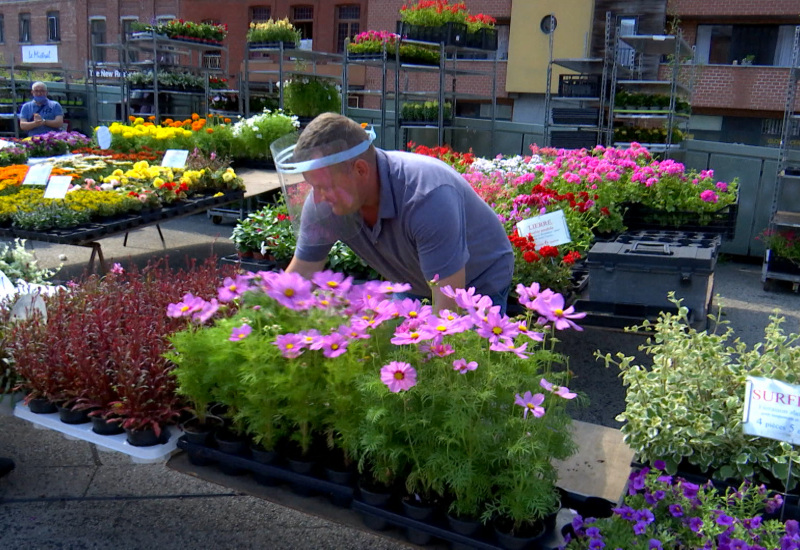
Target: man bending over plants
(412,217)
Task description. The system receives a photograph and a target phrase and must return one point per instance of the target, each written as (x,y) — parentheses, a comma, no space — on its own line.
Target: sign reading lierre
(546,229)
(772,409)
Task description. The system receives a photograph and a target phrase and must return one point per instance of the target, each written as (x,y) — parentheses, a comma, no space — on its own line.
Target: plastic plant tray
(118,443)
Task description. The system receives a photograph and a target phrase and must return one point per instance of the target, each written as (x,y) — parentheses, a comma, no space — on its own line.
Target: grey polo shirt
(430,221)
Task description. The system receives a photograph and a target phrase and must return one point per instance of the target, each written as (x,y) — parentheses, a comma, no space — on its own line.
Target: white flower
(62,257)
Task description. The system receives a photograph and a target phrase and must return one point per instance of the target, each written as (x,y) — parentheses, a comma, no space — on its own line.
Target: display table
(87,235)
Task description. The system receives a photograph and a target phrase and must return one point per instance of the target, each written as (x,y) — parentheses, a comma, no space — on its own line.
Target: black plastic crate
(722,222)
(452,34)
(483,39)
(573,139)
(588,116)
(579,85)
(698,239)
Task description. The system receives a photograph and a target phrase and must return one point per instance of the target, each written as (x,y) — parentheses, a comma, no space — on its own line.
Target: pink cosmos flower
(532,334)
(188,306)
(462,366)
(240,333)
(309,338)
(334,345)
(531,403)
(412,309)
(233,288)
(497,327)
(527,294)
(508,345)
(208,311)
(411,334)
(437,349)
(291,345)
(354,333)
(552,308)
(398,376)
(291,290)
(333,282)
(561,391)
(389,288)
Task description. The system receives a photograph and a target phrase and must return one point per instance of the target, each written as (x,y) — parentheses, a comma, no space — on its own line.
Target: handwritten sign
(57,187)
(547,230)
(40,54)
(38,174)
(772,409)
(175,158)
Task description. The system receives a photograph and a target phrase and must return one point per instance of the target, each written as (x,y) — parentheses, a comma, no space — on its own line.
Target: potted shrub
(784,249)
(662,511)
(272,33)
(686,409)
(253,135)
(309,96)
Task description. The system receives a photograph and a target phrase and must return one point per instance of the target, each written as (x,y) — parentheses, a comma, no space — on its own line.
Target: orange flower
(151,117)
(131,118)
(195,116)
(227,121)
(364,125)
(209,130)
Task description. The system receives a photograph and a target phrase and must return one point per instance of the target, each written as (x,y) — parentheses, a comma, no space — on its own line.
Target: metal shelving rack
(670,45)
(282,56)
(159,46)
(583,66)
(785,211)
(447,67)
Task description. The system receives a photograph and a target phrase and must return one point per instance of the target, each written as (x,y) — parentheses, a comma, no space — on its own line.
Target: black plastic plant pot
(71,416)
(40,405)
(101,426)
(142,438)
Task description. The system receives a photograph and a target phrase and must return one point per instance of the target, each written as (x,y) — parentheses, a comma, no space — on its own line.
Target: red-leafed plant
(103,344)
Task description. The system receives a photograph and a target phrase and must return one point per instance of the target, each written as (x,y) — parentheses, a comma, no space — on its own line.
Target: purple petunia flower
(676,510)
(695,524)
(654,544)
(724,519)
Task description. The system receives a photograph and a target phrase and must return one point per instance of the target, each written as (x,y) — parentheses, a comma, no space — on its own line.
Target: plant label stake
(772,410)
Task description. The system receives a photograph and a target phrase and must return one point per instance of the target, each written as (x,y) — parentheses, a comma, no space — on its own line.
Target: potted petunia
(662,511)
(436,21)
(377,44)
(784,249)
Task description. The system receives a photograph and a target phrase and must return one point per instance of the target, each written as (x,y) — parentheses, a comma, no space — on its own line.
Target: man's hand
(304,268)
(440,301)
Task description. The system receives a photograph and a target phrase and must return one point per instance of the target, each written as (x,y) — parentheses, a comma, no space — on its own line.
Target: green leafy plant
(688,406)
(279,30)
(311,96)
(433,13)
(17,263)
(253,135)
(783,243)
(427,111)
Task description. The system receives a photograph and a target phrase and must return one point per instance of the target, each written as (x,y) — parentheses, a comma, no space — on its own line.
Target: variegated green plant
(688,405)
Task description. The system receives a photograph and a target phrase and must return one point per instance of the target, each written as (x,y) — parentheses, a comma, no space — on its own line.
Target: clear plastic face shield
(323,202)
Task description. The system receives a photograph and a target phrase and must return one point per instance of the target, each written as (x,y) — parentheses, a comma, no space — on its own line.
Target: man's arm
(440,301)
(56,123)
(304,268)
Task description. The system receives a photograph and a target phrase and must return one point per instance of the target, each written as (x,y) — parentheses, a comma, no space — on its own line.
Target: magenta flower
(709,196)
(552,308)
(527,294)
(291,345)
(291,290)
(411,333)
(398,376)
(353,333)
(208,311)
(334,345)
(412,309)
(561,391)
(497,327)
(233,288)
(389,288)
(309,338)
(117,268)
(508,345)
(334,282)
(189,305)
(522,327)
(462,366)
(240,333)
(531,403)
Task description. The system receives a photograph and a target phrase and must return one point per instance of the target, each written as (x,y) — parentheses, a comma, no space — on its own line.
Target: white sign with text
(772,409)
(547,230)
(57,187)
(40,54)
(175,158)
(38,174)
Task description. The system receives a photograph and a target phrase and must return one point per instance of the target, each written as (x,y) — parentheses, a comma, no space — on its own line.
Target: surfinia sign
(772,409)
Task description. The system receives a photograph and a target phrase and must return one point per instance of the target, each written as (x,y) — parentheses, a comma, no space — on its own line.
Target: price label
(57,187)
(38,174)
(547,230)
(175,158)
(772,409)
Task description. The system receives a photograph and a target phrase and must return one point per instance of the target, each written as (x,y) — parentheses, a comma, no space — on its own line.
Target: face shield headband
(283,164)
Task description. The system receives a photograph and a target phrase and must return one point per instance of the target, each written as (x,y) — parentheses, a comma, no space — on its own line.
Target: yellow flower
(158,182)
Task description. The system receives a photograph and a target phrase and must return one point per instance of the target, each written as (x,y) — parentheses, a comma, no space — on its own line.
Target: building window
(2,29)
(164,19)
(129,55)
(741,44)
(53,27)
(259,14)
(24,27)
(212,60)
(97,34)
(303,20)
(348,19)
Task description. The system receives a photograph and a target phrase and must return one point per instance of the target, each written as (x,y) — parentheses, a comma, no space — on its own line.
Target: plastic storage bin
(643,272)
